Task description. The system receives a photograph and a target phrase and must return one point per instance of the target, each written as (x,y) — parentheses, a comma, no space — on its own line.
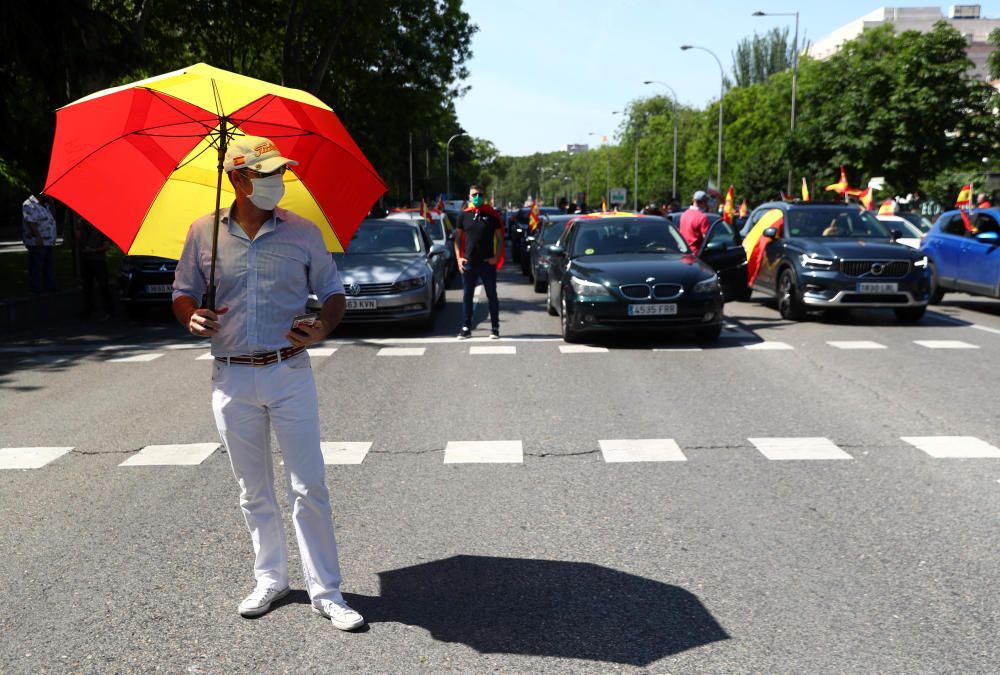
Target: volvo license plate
(356,303)
(877,287)
(653,310)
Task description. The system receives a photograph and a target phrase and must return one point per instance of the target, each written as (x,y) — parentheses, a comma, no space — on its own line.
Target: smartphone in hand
(304,320)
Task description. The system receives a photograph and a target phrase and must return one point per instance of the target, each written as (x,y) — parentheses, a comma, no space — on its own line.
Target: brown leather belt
(262,359)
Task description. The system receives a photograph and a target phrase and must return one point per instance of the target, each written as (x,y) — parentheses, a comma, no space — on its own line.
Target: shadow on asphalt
(548,608)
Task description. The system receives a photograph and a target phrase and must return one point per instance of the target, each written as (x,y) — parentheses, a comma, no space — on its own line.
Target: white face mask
(267,192)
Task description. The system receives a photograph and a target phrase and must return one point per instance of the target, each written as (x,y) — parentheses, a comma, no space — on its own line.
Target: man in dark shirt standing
(479,249)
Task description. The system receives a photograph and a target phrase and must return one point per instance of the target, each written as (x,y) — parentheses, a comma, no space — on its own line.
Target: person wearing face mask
(268,261)
(479,249)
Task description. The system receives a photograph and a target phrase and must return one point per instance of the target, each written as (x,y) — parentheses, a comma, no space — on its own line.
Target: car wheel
(548,304)
(708,333)
(937,293)
(569,333)
(910,314)
(789,302)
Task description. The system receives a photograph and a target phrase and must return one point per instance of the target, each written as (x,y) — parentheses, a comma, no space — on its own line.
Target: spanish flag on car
(729,206)
(805,190)
(865,196)
(425,212)
(744,210)
(840,187)
(755,241)
(887,208)
(964,196)
(533,216)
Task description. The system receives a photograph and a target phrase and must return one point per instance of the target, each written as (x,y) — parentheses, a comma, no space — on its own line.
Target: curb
(20,313)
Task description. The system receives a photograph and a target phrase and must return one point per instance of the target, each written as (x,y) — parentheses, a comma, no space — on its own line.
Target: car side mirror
(556,250)
(436,249)
(988,238)
(771,233)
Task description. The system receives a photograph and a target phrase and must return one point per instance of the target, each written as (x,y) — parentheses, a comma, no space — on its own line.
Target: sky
(550,72)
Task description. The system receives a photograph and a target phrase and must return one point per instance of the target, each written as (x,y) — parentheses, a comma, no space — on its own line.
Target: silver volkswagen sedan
(392,271)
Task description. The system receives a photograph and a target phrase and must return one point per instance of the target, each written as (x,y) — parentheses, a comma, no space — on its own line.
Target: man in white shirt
(38,233)
(268,261)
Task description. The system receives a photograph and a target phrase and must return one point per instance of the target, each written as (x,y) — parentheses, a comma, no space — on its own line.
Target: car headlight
(922,263)
(815,262)
(710,285)
(587,288)
(409,284)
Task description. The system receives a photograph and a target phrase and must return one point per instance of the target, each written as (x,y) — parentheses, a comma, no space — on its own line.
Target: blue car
(961,260)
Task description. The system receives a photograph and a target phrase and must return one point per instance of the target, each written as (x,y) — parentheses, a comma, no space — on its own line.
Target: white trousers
(246,401)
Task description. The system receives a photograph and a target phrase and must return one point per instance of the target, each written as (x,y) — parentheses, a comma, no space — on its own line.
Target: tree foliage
(389,68)
(757,58)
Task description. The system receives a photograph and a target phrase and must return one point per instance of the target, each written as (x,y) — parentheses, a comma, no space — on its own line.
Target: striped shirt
(265,282)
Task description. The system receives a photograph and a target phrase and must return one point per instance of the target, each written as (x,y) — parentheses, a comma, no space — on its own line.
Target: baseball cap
(254,152)
(700,195)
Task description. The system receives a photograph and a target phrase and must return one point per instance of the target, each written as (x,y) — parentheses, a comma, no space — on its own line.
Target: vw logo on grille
(353,288)
(877,268)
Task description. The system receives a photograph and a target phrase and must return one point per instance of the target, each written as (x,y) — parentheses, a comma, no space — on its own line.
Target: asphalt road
(736,554)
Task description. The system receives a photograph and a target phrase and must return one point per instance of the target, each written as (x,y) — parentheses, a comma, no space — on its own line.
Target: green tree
(757,58)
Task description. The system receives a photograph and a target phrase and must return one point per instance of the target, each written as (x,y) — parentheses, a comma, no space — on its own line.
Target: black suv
(820,255)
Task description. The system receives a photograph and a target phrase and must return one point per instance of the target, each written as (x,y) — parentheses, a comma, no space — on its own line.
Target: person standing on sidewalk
(479,249)
(269,259)
(38,233)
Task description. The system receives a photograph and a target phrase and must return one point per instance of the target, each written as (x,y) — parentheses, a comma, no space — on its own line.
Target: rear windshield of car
(434,228)
(836,222)
(907,228)
(917,220)
(551,232)
(627,235)
(384,238)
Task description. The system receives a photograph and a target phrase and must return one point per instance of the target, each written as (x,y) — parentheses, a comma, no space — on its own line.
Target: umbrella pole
(208,302)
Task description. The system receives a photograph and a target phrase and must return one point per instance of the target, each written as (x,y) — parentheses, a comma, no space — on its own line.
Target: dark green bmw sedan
(627,272)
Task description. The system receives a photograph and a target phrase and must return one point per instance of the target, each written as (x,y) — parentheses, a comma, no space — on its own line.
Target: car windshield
(434,228)
(551,232)
(917,220)
(837,222)
(617,236)
(384,237)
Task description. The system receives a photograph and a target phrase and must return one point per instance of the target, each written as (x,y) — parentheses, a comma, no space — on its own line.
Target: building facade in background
(967,19)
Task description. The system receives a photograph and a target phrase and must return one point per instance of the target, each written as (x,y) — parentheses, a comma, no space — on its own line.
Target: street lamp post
(447,163)
(722,95)
(795,72)
(607,192)
(635,169)
(673,103)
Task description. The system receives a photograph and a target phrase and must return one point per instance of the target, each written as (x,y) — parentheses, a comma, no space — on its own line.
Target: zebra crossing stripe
(769,345)
(953,447)
(945,344)
(321,351)
(341,452)
(401,351)
(582,349)
(29,458)
(483,452)
(205,357)
(171,455)
(855,344)
(642,450)
(137,358)
(499,349)
(808,448)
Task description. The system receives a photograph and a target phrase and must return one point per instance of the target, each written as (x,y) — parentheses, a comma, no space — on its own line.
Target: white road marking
(953,447)
(205,357)
(483,452)
(493,350)
(986,328)
(321,351)
(642,450)
(345,452)
(29,458)
(945,344)
(402,351)
(200,344)
(582,349)
(137,358)
(799,448)
(769,345)
(163,455)
(735,330)
(855,344)
(677,349)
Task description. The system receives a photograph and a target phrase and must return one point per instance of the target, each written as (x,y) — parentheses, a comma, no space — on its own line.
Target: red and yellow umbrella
(143,161)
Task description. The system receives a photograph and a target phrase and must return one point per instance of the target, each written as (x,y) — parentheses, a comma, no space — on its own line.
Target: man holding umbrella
(268,260)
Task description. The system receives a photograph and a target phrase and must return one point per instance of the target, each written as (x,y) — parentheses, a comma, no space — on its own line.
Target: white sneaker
(259,602)
(340,614)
